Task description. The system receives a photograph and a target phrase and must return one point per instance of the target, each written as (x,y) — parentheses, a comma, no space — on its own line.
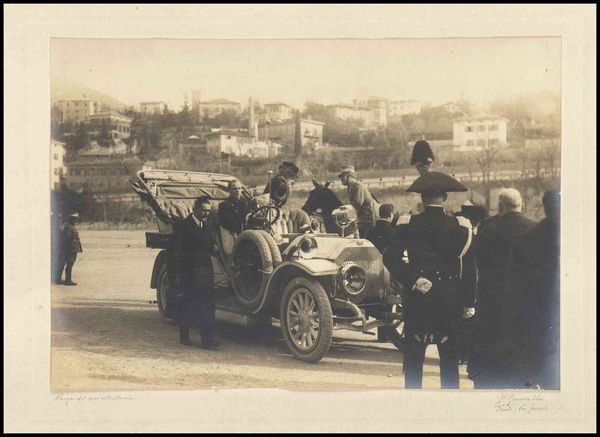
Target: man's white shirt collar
(198,222)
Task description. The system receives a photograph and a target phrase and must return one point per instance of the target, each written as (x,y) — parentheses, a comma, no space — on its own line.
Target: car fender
(309,267)
(161,258)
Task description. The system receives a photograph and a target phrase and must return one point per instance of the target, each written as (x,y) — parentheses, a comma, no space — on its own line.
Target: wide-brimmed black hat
(290,166)
(422,153)
(436,182)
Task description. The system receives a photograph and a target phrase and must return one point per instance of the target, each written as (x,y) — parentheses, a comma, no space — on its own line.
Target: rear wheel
(306,319)
(163,291)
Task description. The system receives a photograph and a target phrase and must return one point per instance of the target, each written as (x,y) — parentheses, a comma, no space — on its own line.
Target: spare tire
(252,266)
(275,252)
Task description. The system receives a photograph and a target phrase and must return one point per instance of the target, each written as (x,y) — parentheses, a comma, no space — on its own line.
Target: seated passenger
(233,211)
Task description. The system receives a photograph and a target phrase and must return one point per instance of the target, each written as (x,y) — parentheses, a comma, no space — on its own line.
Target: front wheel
(396,332)
(306,319)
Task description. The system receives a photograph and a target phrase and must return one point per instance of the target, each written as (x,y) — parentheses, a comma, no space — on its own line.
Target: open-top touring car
(278,267)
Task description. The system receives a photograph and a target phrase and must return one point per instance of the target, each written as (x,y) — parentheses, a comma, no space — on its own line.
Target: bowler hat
(290,166)
(436,182)
(347,169)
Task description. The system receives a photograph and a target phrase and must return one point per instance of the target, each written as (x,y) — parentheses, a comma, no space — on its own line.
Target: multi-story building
(379,110)
(215,107)
(149,108)
(310,135)
(102,175)
(239,143)
(278,111)
(117,125)
(371,116)
(478,132)
(57,159)
(77,111)
(404,107)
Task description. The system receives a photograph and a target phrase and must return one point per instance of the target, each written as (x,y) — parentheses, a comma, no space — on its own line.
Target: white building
(152,107)
(371,116)
(117,125)
(404,107)
(238,143)
(58,168)
(77,111)
(278,111)
(478,132)
(215,107)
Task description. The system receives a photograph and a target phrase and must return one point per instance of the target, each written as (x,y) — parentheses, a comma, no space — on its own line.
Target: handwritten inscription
(74,398)
(522,403)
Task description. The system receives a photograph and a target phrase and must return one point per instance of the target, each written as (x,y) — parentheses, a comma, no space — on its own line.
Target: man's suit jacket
(381,234)
(233,212)
(188,262)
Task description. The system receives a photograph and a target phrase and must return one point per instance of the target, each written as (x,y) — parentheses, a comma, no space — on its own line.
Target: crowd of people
(485,290)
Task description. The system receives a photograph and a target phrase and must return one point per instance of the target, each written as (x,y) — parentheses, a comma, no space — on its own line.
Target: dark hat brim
(290,166)
(436,182)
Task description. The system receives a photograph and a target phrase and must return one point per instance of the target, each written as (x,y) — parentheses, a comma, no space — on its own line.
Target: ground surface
(106,335)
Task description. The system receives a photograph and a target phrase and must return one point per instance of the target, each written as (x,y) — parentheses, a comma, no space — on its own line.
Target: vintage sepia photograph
(287,213)
(300,218)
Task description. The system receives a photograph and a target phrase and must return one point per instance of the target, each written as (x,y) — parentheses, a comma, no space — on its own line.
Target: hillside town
(98,145)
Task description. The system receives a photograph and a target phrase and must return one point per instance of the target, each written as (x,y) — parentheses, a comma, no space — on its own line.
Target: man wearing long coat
(191,273)
(493,362)
(438,278)
(536,276)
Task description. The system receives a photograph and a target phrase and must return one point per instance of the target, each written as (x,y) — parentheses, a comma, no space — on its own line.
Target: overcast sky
(326,71)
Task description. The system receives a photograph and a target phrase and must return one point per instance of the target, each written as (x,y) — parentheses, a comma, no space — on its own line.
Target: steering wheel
(258,219)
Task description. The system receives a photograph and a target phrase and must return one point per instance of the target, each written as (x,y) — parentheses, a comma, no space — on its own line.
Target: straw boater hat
(347,169)
(436,182)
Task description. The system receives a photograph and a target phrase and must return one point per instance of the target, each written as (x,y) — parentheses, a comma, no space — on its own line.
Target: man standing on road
(71,246)
(190,267)
(361,199)
(438,278)
(536,280)
(492,363)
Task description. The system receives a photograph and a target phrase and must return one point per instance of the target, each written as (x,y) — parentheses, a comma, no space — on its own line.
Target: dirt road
(106,335)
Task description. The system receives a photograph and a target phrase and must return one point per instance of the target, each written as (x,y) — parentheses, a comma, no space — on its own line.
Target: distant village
(96,147)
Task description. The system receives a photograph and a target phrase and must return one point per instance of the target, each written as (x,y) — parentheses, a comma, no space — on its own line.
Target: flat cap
(436,182)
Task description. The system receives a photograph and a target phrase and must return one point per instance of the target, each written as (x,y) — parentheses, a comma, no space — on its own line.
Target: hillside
(62,89)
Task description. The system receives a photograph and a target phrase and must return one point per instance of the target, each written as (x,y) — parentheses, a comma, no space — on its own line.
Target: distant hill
(63,89)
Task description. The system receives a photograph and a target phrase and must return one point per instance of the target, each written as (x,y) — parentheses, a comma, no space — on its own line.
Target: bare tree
(551,154)
(486,160)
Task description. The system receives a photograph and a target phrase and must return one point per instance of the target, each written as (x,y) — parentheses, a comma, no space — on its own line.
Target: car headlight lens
(308,247)
(354,278)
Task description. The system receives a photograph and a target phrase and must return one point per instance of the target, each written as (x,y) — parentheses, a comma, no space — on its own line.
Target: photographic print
(299,218)
(280,202)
